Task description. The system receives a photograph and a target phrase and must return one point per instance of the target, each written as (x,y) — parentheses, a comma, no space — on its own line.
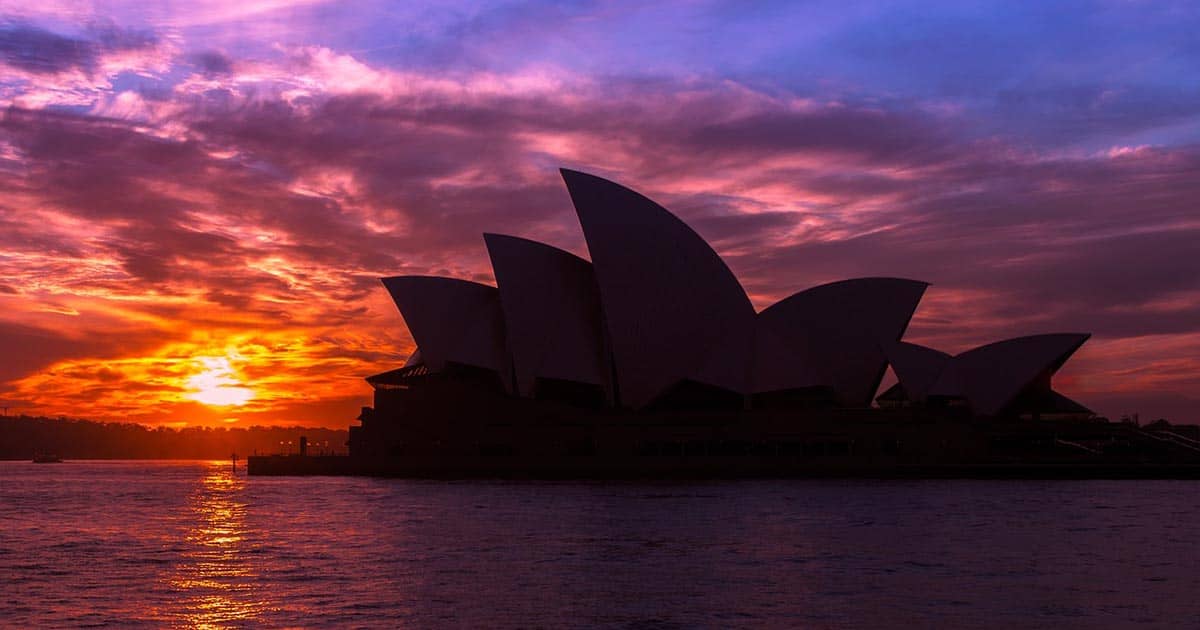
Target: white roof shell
(991,376)
(551,311)
(839,331)
(669,301)
(452,320)
(917,367)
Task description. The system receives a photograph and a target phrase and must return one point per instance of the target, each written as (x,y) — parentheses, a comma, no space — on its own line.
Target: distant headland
(22,437)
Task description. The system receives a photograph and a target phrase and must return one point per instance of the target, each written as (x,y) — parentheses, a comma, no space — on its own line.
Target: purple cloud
(261,195)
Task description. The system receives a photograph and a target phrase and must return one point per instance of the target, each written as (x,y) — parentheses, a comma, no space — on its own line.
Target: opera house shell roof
(656,311)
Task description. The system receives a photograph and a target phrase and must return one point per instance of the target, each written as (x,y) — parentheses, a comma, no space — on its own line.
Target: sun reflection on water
(215,582)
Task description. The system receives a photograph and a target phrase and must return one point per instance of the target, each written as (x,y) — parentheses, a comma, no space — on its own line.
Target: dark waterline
(187,544)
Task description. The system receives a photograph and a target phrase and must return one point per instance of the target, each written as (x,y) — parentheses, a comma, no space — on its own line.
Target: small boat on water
(47,458)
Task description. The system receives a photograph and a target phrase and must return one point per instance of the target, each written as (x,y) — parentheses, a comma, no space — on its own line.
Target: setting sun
(218,384)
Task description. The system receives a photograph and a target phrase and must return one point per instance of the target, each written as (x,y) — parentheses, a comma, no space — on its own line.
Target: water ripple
(191,545)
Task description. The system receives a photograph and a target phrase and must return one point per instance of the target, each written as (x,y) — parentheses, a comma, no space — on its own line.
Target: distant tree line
(21,437)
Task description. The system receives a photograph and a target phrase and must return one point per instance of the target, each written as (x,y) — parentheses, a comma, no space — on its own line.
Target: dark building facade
(653,349)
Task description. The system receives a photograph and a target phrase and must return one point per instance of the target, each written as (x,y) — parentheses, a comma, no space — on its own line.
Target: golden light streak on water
(216,582)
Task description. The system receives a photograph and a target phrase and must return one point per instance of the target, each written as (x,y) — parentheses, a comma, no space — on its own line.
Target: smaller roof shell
(551,310)
(917,367)
(452,320)
(840,330)
(991,376)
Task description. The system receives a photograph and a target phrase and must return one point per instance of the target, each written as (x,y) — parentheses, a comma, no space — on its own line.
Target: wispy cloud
(176,199)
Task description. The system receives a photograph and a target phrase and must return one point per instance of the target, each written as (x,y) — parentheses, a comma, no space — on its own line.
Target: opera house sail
(552,318)
(648,357)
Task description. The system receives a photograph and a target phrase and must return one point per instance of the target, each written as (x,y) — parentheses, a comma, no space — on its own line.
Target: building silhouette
(652,348)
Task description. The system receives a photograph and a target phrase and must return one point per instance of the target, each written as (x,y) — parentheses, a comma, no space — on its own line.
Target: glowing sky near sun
(198,198)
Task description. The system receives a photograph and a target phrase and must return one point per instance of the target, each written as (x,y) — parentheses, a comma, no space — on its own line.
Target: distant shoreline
(23,437)
(241,459)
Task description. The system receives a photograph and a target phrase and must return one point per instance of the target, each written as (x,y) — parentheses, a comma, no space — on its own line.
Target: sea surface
(191,544)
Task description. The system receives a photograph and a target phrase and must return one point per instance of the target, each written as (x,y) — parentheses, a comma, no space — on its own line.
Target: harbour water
(189,544)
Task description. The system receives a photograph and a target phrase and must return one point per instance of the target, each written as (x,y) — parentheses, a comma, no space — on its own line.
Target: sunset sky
(199,197)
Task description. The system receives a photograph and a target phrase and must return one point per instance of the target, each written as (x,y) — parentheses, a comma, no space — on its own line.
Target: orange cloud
(225,236)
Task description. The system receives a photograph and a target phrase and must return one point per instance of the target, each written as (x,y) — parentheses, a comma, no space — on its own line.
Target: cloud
(249,210)
(42,52)
(39,51)
(212,62)
(108,36)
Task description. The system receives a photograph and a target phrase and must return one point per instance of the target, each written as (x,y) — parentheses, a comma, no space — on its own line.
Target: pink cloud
(251,210)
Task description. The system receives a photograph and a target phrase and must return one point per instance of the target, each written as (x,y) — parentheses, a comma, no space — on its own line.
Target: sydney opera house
(652,351)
